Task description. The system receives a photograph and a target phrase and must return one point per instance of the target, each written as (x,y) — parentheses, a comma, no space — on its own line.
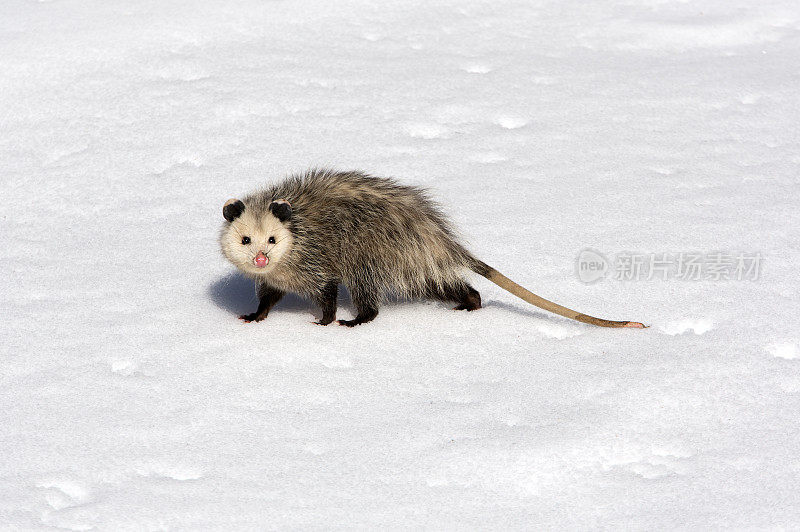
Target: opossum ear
(282,209)
(233,209)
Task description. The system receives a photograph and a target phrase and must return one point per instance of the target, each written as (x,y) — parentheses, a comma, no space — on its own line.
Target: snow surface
(133,399)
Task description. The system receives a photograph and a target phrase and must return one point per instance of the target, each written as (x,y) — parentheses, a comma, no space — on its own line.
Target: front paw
(247,318)
(348,323)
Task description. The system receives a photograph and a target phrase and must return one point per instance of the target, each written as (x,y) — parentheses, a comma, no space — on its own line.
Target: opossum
(322,228)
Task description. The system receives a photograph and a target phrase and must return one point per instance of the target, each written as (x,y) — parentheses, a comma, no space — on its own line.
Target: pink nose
(260,260)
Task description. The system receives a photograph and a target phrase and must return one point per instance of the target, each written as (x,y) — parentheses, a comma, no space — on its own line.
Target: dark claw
(247,318)
(348,323)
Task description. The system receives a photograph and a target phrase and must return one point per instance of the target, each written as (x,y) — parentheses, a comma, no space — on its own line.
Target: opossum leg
(463,294)
(267,298)
(366,303)
(327,300)
(470,300)
(364,316)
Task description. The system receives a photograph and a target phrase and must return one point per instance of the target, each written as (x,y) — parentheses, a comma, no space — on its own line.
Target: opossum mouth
(260,260)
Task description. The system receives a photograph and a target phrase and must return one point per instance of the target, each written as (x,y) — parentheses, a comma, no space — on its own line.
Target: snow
(132,398)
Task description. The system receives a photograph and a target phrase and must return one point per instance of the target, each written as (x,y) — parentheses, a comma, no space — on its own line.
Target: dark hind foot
(324,321)
(466,297)
(471,300)
(353,323)
(255,316)
(363,317)
(365,299)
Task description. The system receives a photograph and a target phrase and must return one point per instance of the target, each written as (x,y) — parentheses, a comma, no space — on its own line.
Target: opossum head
(256,239)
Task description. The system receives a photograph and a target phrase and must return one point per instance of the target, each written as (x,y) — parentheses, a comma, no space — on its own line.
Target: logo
(591,266)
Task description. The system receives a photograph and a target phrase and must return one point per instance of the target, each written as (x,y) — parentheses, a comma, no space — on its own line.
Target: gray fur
(371,234)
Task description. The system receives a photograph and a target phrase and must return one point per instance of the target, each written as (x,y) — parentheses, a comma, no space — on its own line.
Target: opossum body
(315,231)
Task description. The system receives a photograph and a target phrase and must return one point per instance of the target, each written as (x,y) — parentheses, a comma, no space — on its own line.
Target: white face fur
(254,244)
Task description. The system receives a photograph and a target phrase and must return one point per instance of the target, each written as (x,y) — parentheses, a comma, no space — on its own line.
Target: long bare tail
(507,284)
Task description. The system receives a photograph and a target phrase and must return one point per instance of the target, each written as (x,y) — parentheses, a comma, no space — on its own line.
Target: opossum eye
(271,240)
(245,240)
